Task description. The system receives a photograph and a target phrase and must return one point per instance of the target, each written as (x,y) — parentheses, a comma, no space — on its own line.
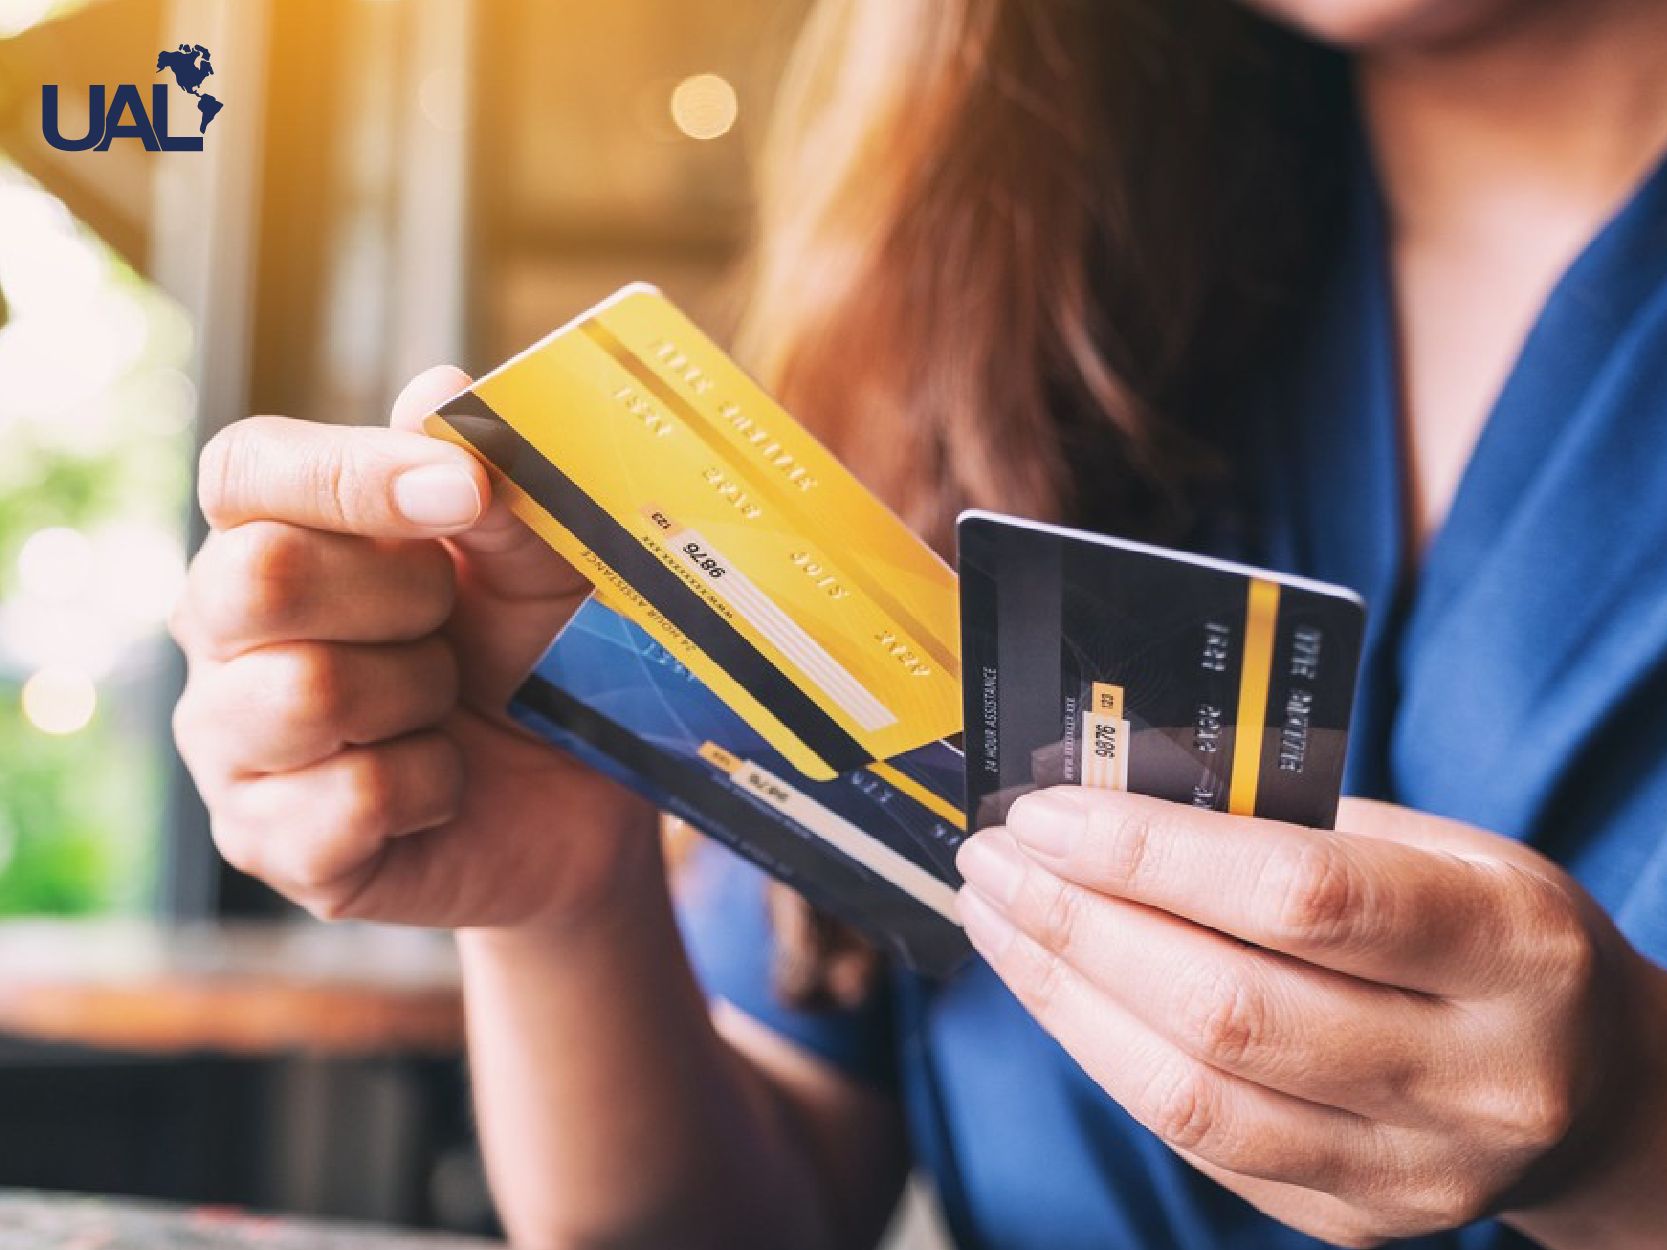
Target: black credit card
(1089,660)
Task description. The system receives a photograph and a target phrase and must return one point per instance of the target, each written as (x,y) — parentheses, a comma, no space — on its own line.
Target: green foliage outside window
(95,412)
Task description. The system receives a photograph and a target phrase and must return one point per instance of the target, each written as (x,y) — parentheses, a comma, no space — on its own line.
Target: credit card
(1094,661)
(640,452)
(874,845)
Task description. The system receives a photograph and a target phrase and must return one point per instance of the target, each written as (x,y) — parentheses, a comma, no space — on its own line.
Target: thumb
(514,593)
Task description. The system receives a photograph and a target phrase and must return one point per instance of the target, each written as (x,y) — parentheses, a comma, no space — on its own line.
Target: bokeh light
(54,564)
(59,700)
(141,570)
(704,106)
(73,333)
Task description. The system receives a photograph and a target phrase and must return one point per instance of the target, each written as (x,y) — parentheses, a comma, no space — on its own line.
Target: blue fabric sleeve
(723,911)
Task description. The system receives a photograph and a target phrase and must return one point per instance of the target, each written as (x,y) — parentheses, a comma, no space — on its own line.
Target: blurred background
(390,184)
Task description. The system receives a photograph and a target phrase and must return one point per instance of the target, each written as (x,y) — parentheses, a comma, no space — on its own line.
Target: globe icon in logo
(190,64)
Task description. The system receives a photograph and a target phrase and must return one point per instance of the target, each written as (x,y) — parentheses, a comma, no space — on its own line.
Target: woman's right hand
(355,624)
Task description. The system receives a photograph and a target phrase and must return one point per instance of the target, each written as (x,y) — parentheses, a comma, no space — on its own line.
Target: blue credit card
(1089,660)
(875,845)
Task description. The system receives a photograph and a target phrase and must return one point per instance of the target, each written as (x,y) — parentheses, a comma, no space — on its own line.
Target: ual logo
(121,113)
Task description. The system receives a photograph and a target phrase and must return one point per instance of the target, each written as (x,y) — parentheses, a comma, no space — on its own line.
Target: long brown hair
(1012,253)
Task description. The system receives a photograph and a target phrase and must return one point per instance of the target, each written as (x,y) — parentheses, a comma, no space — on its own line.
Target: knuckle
(368,791)
(1319,897)
(1560,949)
(335,482)
(1054,907)
(235,845)
(1184,1110)
(343,474)
(1222,1019)
(269,569)
(313,864)
(1125,843)
(1038,975)
(308,685)
(1577,962)
(1539,1113)
(1450,1200)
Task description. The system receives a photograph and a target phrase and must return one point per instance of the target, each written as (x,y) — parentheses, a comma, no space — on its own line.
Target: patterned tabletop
(32,1221)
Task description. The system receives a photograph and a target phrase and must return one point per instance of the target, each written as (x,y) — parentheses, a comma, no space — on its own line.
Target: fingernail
(991,865)
(1046,824)
(437,496)
(987,929)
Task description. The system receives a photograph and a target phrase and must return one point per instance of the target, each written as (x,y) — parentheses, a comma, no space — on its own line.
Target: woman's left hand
(1399,1027)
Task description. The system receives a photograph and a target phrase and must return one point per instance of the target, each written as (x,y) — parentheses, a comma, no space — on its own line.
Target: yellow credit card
(639,451)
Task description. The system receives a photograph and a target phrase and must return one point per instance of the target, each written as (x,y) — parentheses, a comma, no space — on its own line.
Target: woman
(1372,290)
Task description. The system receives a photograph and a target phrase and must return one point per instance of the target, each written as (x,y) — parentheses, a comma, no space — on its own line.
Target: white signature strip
(786,635)
(834,829)
(1110,771)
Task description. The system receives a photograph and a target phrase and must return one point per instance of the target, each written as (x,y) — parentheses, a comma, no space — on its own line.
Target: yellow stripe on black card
(1255,675)
(932,802)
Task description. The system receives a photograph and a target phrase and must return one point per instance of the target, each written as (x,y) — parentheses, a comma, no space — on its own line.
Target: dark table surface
(33,1221)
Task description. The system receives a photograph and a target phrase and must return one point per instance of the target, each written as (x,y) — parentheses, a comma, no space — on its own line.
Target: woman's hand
(1368,1034)
(355,624)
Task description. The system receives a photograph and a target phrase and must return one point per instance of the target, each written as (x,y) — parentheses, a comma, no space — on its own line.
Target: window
(95,410)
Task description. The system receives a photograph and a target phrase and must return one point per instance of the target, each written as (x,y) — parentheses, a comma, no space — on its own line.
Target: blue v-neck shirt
(1517,680)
